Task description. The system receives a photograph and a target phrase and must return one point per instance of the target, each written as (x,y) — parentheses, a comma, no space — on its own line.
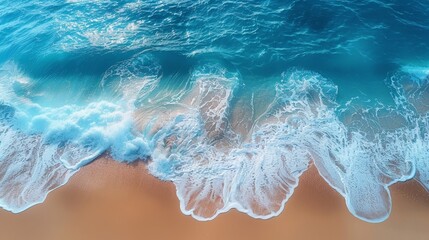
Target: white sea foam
(220,150)
(215,174)
(195,87)
(41,147)
(257,175)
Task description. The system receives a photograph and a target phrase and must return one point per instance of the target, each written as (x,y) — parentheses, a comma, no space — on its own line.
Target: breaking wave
(232,108)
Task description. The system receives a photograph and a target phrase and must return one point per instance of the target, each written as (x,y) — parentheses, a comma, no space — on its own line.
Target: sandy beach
(108,200)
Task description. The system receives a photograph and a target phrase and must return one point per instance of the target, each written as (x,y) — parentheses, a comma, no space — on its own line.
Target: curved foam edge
(341,156)
(213,167)
(40,147)
(234,172)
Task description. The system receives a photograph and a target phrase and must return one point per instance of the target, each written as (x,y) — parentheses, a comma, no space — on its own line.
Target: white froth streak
(354,166)
(218,172)
(58,141)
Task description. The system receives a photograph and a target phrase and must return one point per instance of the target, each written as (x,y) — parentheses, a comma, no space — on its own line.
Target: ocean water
(232,101)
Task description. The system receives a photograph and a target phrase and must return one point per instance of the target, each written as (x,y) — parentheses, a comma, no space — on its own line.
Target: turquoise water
(230,100)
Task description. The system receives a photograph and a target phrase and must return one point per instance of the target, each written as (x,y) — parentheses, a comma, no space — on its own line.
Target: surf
(232,108)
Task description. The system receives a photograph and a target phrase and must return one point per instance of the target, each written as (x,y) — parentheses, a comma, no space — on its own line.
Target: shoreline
(110,200)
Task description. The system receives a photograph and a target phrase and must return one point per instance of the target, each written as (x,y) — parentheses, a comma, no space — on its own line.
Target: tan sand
(107,200)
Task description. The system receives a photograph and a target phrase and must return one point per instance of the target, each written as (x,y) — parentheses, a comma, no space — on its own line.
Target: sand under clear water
(109,200)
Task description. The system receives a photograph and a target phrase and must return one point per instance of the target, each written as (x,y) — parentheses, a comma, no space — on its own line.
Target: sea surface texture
(232,101)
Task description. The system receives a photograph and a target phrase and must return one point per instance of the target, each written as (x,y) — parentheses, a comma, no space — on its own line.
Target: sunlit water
(231,101)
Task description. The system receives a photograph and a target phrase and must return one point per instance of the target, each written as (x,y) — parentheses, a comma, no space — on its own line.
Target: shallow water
(231,101)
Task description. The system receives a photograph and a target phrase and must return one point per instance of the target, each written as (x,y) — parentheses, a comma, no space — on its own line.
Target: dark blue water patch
(256,36)
(174,63)
(311,15)
(92,63)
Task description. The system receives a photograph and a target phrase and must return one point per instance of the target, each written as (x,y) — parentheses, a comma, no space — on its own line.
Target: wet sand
(108,200)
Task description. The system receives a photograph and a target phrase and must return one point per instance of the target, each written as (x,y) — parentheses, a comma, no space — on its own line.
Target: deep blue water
(230,100)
